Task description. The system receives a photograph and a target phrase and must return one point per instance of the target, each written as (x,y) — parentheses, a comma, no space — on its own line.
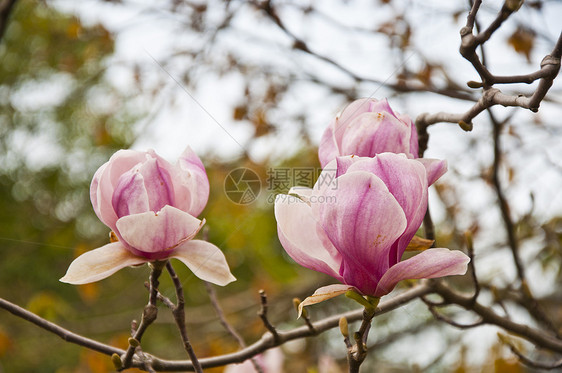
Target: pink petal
(430,263)
(414,146)
(303,193)
(324,293)
(435,168)
(347,115)
(362,219)
(192,186)
(156,172)
(303,239)
(100,263)
(327,178)
(130,196)
(105,180)
(205,260)
(372,133)
(353,110)
(380,106)
(406,181)
(328,149)
(95,196)
(344,162)
(153,235)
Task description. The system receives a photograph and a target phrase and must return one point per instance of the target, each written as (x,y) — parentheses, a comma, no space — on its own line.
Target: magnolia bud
(474,84)
(465,126)
(344,328)
(134,342)
(116,360)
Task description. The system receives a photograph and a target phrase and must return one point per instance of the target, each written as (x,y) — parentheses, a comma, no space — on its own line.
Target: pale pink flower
(357,221)
(151,206)
(367,127)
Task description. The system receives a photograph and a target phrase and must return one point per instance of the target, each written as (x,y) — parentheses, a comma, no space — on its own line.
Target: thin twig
(6,7)
(265,343)
(357,353)
(226,325)
(536,336)
(502,201)
(162,298)
(441,317)
(472,266)
(65,334)
(179,317)
(149,314)
(549,68)
(471,18)
(263,316)
(402,86)
(530,303)
(534,364)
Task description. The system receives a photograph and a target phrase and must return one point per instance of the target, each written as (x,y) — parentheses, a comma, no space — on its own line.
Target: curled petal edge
(435,168)
(100,263)
(431,263)
(324,293)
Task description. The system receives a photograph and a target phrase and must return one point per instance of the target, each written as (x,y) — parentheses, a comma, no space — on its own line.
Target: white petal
(205,260)
(100,263)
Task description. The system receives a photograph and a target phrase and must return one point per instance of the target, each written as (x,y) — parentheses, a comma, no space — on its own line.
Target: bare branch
(179,316)
(549,68)
(528,300)
(536,336)
(263,315)
(357,353)
(441,317)
(472,266)
(65,334)
(266,342)
(149,314)
(534,364)
(504,206)
(301,45)
(226,325)
(6,7)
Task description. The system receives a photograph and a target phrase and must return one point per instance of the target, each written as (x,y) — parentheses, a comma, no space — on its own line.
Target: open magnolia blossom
(367,127)
(151,207)
(358,220)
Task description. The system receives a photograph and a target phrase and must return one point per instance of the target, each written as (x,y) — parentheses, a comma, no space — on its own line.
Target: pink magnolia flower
(356,222)
(151,206)
(365,128)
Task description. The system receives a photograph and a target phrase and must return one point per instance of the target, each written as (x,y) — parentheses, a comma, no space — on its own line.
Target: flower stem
(179,317)
(357,352)
(149,314)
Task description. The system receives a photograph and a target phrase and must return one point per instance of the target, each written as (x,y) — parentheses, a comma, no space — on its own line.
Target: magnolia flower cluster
(354,225)
(366,206)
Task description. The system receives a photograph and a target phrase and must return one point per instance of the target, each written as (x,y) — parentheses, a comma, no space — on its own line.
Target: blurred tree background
(253,84)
